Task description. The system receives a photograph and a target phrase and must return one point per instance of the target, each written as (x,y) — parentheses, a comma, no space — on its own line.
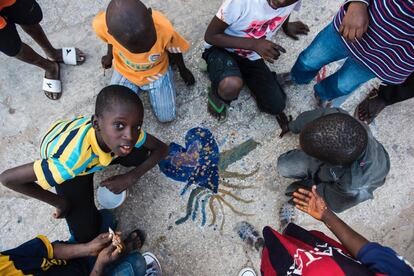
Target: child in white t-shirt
(237,43)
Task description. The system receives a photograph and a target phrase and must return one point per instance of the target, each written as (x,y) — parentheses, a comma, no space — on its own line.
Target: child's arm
(186,74)
(21,179)
(158,151)
(65,251)
(215,36)
(101,247)
(106,60)
(310,202)
(119,183)
(292,29)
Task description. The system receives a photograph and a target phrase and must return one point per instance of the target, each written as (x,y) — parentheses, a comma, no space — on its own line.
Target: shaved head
(130,23)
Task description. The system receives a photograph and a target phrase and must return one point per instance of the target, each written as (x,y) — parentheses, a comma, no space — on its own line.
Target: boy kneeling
(338,154)
(141,42)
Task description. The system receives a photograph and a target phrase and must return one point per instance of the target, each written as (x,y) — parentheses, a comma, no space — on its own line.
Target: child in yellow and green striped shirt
(71,151)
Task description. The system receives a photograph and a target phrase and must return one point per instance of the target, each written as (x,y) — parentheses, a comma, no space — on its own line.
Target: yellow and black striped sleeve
(51,172)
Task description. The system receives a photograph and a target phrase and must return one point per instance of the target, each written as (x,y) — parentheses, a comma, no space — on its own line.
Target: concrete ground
(154,203)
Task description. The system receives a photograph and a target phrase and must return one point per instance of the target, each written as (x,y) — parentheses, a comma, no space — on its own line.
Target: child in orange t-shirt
(140,44)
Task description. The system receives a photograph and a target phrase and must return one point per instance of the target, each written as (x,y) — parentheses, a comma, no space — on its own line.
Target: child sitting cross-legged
(73,150)
(141,43)
(337,153)
(238,44)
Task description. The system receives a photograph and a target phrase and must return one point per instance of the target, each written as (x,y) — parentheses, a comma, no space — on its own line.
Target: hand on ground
(283,121)
(268,50)
(310,202)
(187,76)
(106,61)
(293,29)
(97,244)
(118,183)
(355,22)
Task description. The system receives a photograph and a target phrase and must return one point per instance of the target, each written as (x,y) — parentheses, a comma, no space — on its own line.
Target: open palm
(310,202)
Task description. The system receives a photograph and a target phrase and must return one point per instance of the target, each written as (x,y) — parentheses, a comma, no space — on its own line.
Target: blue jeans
(328,47)
(131,265)
(161,92)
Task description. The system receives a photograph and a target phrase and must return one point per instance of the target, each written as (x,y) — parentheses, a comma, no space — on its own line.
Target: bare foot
(221,117)
(216,106)
(134,241)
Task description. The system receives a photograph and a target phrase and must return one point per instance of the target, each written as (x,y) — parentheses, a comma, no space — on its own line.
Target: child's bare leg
(38,35)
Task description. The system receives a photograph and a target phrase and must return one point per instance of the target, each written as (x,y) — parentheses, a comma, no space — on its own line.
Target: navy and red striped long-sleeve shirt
(387,48)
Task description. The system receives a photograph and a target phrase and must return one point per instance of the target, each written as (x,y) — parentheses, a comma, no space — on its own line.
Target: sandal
(249,234)
(52,85)
(370,107)
(287,214)
(135,240)
(216,106)
(70,56)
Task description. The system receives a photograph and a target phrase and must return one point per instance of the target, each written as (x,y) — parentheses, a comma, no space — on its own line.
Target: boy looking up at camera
(73,150)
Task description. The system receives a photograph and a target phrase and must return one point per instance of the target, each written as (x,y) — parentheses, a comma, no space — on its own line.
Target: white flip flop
(247,271)
(69,55)
(52,86)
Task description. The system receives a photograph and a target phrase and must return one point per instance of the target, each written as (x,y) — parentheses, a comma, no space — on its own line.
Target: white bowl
(108,199)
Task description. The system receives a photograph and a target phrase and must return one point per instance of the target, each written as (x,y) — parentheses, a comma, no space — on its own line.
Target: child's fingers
(304,192)
(300,202)
(300,196)
(341,28)
(303,209)
(280,48)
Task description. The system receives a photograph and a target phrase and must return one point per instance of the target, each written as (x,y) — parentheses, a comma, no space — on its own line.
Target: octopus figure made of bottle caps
(203,168)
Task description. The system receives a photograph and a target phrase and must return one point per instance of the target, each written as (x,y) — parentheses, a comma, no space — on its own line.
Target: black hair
(116,94)
(338,139)
(129,21)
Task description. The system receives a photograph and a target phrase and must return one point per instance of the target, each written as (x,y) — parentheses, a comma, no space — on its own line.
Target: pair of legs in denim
(161,92)
(328,47)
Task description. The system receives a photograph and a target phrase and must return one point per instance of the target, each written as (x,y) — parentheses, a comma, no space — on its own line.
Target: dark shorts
(256,75)
(83,218)
(23,12)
